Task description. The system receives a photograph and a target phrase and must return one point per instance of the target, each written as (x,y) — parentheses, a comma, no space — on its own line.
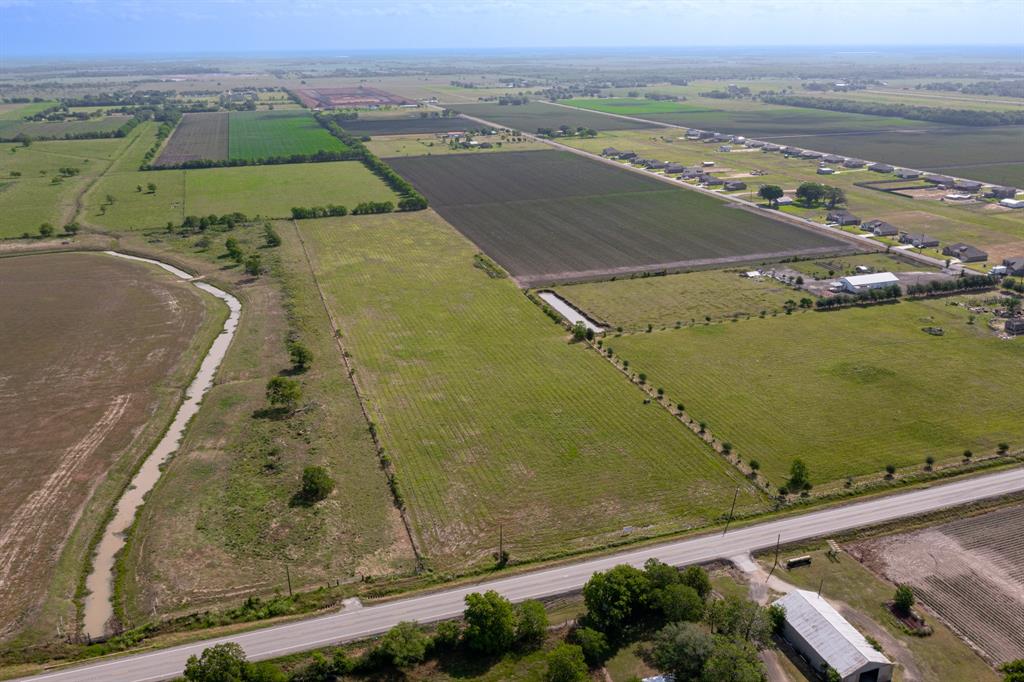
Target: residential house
(842,217)
(833,158)
(755,144)
(627,156)
(827,640)
(735,186)
(1015,326)
(610,151)
(967,185)
(881,168)
(918,241)
(965,253)
(854,163)
(711,180)
(1014,266)
(769,147)
(940,180)
(1012,203)
(654,164)
(1003,192)
(809,154)
(784,201)
(825,170)
(674,168)
(879,228)
(908,174)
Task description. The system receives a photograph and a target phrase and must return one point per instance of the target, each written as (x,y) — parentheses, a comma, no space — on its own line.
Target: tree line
(1007,88)
(888,293)
(915,112)
(963,283)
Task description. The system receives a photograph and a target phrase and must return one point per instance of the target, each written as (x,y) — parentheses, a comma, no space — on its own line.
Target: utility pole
(288,573)
(778,541)
(501,543)
(731,510)
(821,585)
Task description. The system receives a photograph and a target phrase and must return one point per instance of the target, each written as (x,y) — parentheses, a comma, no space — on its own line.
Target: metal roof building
(876,280)
(824,637)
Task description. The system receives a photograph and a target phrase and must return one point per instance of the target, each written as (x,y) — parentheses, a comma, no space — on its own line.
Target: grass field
(36,129)
(390,146)
(819,268)
(634,106)
(221,521)
(850,391)
(529,117)
(257,135)
(685,298)
(197,136)
(552,216)
(268,191)
(489,415)
(407,125)
(97,352)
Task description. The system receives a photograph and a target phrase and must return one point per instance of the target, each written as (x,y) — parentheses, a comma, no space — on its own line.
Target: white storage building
(876,280)
(824,637)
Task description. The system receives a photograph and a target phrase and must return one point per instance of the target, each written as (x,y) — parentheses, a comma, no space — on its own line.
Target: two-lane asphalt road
(362,622)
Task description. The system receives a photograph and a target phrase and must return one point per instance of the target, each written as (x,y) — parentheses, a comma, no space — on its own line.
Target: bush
(566,664)
(301,356)
(679,603)
(446,636)
(697,578)
(283,392)
(593,643)
(490,623)
(615,599)
(531,623)
(682,649)
(404,645)
(317,484)
(903,600)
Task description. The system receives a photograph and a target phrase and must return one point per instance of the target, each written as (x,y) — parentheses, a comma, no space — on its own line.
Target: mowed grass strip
(197,136)
(554,216)
(255,135)
(489,415)
(677,299)
(849,391)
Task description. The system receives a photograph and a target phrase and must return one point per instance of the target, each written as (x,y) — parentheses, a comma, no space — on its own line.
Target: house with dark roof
(854,163)
(769,147)
(626,156)
(879,228)
(654,164)
(940,180)
(965,253)
(755,144)
(610,151)
(881,168)
(1003,192)
(842,217)
(1014,266)
(918,241)
(791,151)
(735,186)
(674,168)
(1015,326)
(825,170)
(810,154)
(833,158)
(967,185)
(711,180)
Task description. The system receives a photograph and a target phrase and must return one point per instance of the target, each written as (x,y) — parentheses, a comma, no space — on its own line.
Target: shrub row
(889,293)
(964,283)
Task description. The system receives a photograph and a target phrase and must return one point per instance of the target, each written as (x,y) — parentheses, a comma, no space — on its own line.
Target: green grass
(35,129)
(490,416)
(268,191)
(849,391)
(529,117)
(687,298)
(634,106)
(840,266)
(940,656)
(257,135)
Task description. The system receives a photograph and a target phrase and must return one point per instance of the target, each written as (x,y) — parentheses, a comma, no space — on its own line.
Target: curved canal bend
(98,607)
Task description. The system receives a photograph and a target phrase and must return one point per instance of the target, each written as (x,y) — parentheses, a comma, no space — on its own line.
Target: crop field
(529,117)
(257,135)
(882,392)
(552,216)
(97,351)
(970,572)
(489,415)
(407,125)
(267,191)
(197,136)
(634,106)
(389,146)
(34,129)
(677,299)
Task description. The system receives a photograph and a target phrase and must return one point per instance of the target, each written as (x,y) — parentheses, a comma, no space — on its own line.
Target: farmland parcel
(530,117)
(96,353)
(875,397)
(489,416)
(408,126)
(553,216)
(197,137)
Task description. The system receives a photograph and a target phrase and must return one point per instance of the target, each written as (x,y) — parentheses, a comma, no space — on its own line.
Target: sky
(97,28)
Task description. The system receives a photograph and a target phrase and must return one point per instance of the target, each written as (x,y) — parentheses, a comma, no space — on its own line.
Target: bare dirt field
(95,353)
(970,572)
(339,98)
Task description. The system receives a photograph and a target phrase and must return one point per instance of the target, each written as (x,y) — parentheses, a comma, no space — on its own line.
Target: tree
(138,188)
(798,476)
(531,623)
(833,196)
(301,356)
(234,250)
(593,643)
(890,469)
(771,193)
(810,193)
(317,484)
(271,236)
(72,228)
(404,645)
(253,265)
(490,623)
(741,619)
(220,663)
(151,187)
(679,603)
(682,649)
(1013,671)
(616,598)
(579,331)
(733,661)
(903,600)
(566,664)
(283,392)
(777,618)
(447,635)
(46,230)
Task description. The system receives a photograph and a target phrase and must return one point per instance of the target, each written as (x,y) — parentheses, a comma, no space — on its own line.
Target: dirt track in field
(89,345)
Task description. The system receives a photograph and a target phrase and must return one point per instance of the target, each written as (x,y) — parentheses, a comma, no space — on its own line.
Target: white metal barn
(824,637)
(876,280)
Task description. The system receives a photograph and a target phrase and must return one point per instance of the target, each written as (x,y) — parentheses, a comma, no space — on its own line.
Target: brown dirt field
(90,346)
(969,572)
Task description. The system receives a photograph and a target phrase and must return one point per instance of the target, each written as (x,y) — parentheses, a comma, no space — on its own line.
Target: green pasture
(635,106)
(848,391)
(491,417)
(263,134)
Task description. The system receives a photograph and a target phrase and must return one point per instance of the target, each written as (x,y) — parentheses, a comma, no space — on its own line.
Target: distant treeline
(1008,88)
(411,199)
(964,117)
